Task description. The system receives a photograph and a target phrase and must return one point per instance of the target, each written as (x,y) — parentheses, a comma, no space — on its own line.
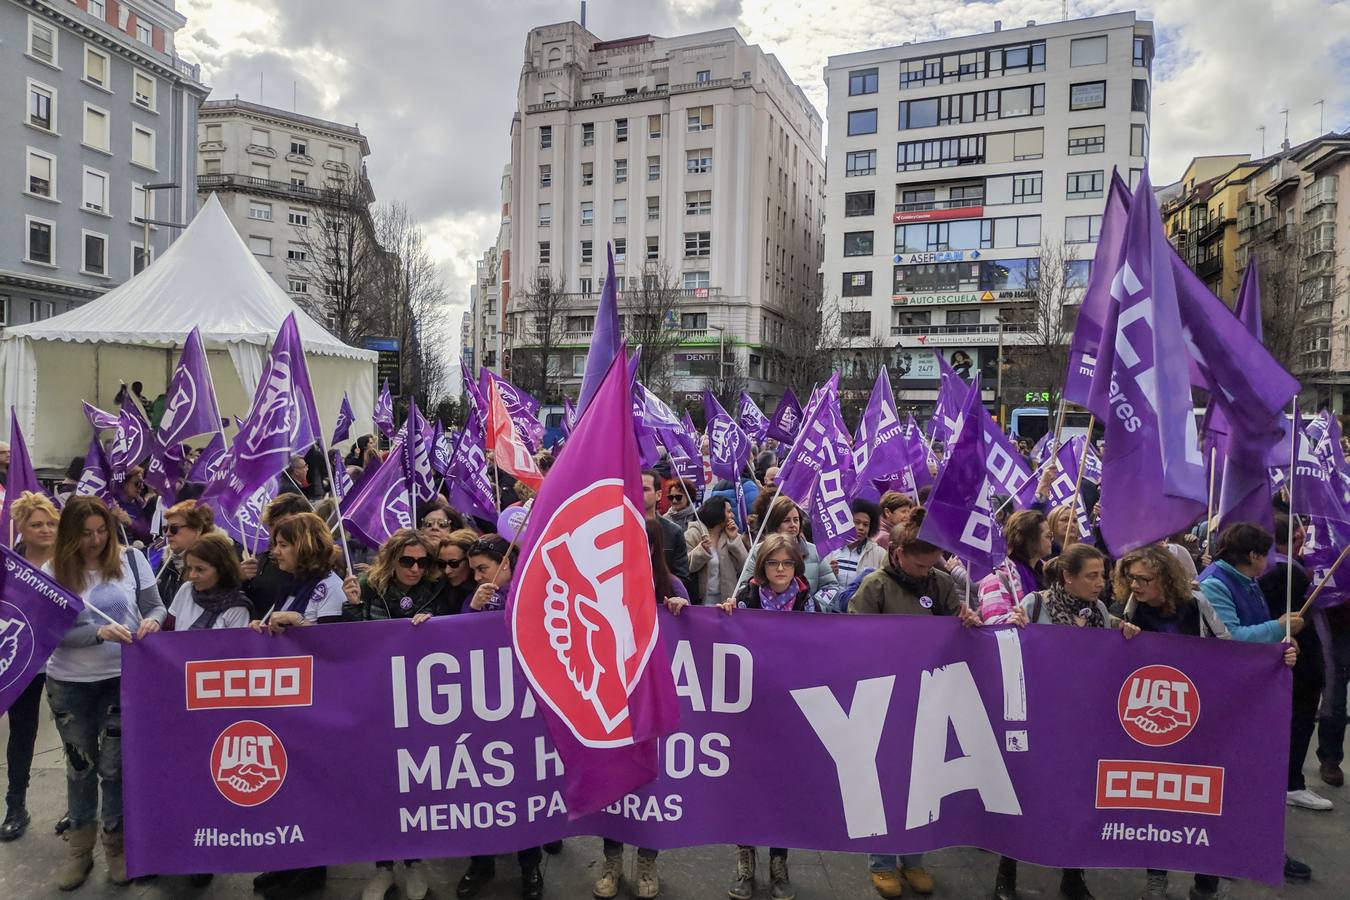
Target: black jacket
(677,557)
(270,588)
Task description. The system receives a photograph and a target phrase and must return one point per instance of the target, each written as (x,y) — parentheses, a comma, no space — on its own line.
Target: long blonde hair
(382,569)
(68,560)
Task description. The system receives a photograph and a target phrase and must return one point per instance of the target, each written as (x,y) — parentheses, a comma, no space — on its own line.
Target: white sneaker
(378,885)
(1306,799)
(416,886)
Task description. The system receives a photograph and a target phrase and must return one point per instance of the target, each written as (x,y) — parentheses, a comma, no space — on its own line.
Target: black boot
(1295,870)
(479,873)
(531,883)
(553,848)
(16,822)
(200,880)
(1005,884)
(1073,885)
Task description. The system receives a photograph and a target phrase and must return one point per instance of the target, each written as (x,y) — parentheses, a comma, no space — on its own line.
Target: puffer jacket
(730,559)
(818,575)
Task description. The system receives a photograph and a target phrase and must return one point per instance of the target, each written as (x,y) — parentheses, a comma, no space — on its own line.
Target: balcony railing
(1323,191)
(1211,229)
(1208,268)
(964,203)
(331,196)
(980,328)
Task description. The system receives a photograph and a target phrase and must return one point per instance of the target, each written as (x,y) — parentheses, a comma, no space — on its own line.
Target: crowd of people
(1230,587)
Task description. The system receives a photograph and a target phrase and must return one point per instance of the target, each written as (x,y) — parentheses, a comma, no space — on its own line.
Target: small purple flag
(132,442)
(1316,497)
(817,472)
(345,419)
(786,420)
(190,403)
(342,482)
(442,449)
(471,489)
(728,445)
(951,400)
(416,456)
(751,419)
(384,411)
(380,507)
(520,406)
(35,614)
(607,338)
(164,469)
(97,478)
(1092,314)
(245,525)
(98,418)
(209,460)
(569,419)
(880,454)
(21,476)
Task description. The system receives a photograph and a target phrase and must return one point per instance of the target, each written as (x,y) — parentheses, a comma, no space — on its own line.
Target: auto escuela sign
(384,740)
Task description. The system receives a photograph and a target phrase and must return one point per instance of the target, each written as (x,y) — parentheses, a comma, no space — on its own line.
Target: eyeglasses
(451,563)
(413,562)
(1140,579)
(779,564)
(674,496)
(435,523)
(174,529)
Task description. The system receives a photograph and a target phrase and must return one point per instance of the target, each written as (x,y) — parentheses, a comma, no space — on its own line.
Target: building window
(260,170)
(587,134)
(95,261)
(260,138)
(654,126)
(41,41)
(856,324)
(857,284)
(140,199)
(697,203)
(144,92)
(585,286)
(142,146)
(653,248)
(1091,139)
(620,211)
(863,81)
(587,213)
(1143,51)
(299,147)
(40,247)
(862,121)
(545,252)
(860,203)
(297,285)
(296,253)
(940,153)
(96,133)
(41,105)
(620,250)
(1077,272)
(259,246)
(620,171)
(586,254)
(336,155)
(653,209)
(143,33)
(298,217)
(1087,95)
(545,137)
(696,281)
(545,176)
(139,258)
(1026,188)
(587,174)
(1088,51)
(41,173)
(620,131)
(95,67)
(211,165)
(1138,140)
(653,168)
(298,178)
(700,118)
(858,243)
(1139,95)
(1085,185)
(698,162)
(98,9)
(860,162)
(545,214)
(697,243)
(1082,229)
(95,193)
(703,76)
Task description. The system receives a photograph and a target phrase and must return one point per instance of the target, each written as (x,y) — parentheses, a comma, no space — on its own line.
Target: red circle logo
(584,614)
(1158,705)
(248,763)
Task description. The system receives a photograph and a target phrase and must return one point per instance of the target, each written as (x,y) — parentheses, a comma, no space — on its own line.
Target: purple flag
(164,468)
(751,419)
(97,478)
(132,442)
(20,477)
(951,400)
(786,420)
(520,406)
(1316,497)
(281,422)
(209,460)
(1153,477)
(416,456)
(342,482)
(960,516)
(818,474)
(880,455)
(1005,468)
(1092,314)
(380,506)
(245,524)
(190,402)
(384,411)
(569,419)
(728,445)
(605,342)
(919,455)
(345,419)
(583,609)
(473,397)
(35,614)
(471,490)
(98,418)
(442,448)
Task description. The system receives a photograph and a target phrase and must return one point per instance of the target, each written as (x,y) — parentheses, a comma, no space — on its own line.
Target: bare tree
(1296,297)
(538,321)
(339,261)
(812,340)
(413,306)
(1038,331)
(726,385)
(651,321)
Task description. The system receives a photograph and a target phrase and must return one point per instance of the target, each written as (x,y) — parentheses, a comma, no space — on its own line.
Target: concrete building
(97,105)
(979,156)
(700,160)
(276,172)
(1200,218)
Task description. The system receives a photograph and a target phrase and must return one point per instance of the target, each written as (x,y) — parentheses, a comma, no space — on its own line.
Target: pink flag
(508,449)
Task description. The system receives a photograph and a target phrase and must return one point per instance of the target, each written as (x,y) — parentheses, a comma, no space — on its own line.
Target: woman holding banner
(34,518)
(210,597)
(1028,538)
(302,546)
(266,585)
(84,676)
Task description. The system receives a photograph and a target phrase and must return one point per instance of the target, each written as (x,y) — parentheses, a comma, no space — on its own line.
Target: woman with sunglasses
(134,506)
(438,518)
(681,509)
(184,523)
(457,583)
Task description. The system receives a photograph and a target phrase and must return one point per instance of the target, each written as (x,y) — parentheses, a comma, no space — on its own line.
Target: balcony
(982,328)
(964,203)
(1211,229)
(284,189)
(1208,268)
(1322,191)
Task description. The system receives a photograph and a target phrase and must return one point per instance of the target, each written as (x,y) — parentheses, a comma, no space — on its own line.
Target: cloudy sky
(432,83)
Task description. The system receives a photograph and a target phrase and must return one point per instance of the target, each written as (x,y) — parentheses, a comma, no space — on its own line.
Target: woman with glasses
(680,509)
(438,518)
(134,506)
(184,523)
(452,556)
(785,518)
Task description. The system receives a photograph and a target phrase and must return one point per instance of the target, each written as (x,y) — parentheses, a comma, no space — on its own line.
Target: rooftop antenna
(1321,115)
(1262,129)
(1065,8)
(583,15)
(260,87)
(293,95)
(1286,128)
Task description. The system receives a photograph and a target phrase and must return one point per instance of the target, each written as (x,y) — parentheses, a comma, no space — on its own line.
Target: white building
(699,159)
(953,162)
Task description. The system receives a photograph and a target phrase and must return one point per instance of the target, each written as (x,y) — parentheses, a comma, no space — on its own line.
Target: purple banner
(35,614)
(1160,751)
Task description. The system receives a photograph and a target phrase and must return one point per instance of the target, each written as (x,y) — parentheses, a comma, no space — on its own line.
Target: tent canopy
(207,279)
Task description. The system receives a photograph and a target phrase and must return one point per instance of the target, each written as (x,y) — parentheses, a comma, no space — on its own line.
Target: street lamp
(147,221)
(721,353)
(998,391)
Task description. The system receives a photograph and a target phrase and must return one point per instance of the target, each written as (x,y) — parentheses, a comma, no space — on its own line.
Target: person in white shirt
(84,676)
(210,596)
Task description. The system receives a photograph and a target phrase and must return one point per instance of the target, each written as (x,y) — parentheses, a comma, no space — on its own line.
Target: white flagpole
(337,505)
(1289,545)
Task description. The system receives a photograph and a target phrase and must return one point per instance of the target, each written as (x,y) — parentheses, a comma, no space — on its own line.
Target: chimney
(998,25)
(583,14)
(1031,23)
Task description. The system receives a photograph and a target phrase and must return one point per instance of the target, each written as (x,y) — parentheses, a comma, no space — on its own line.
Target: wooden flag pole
(1289,546)
(1082,467)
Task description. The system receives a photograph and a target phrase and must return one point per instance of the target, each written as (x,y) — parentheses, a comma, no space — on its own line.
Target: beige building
(275,172)
(700,160)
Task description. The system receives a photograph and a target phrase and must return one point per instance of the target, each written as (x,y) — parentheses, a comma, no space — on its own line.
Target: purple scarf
(1027,575)
(779,602)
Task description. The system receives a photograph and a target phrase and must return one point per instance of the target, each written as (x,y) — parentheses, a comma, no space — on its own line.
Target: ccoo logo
(1158,705)
(584,622)
(248,763)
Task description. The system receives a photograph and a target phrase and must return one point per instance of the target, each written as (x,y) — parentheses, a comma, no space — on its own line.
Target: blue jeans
(89,719)
(882,862)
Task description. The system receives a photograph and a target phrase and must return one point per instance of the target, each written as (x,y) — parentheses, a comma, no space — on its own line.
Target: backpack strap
(1036,607)
(135,570)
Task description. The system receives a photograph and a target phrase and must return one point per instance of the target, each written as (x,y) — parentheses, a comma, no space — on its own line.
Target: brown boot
(114,857)
(81,859)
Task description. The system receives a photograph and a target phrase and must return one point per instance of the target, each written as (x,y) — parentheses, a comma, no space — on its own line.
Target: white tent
(207,279)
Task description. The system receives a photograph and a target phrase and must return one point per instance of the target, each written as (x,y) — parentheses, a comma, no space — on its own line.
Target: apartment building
(276,173)
(978,156)
(97,106)
(1200,217)
(699,159)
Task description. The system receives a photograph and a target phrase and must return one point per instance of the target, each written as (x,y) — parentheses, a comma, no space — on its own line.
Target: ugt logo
(584,622)
(248,763)
(1158,705)
(275,410)
(16,643)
